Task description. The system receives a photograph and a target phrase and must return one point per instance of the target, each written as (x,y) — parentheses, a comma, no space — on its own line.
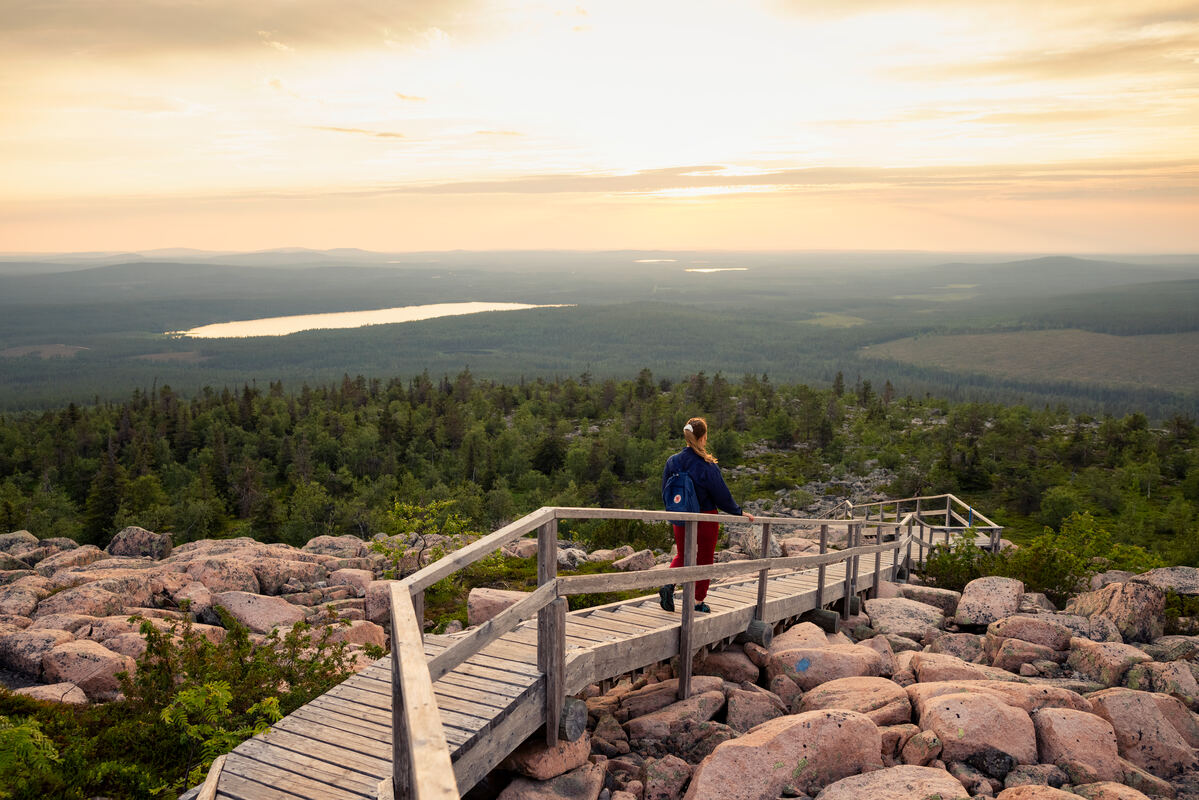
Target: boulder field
(986,693)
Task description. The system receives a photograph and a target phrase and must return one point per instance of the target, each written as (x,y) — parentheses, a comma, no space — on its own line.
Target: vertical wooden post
(948,511)
(848,564)
(994,540)
(857,542)
(551,631)
(685,654)
(760,611)
(551,660)
(878,569)
(907,560)
(820,569)
(917,508)
(401,770)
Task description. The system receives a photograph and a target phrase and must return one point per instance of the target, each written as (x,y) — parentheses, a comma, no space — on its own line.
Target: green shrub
(952,566)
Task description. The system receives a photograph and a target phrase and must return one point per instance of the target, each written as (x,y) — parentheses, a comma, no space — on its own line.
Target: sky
(984,125)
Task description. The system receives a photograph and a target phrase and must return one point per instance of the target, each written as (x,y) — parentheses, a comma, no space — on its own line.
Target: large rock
(1067,735)
(813,666)
(750,706)
(536,759)
(665,777)
(642,559)
(1039,629)
(663,724)
(944,599)
(89,665)
(1011,654)
(930,667)
(18,601)
(966,646)
(903,617)
(1174,678)
(657,696)
(89,599)
(225,574)
(970,723)
(1180,580)
(65,693)
(79,557)
(1104,662)
(1032,792)
(1144,735)
(338,546)
(135,541)
(733,665)
(1134,608)
(483,603)
(259,613)
(897,783)
(280,575)
(1183,720)
(377,608)
(1108,790)
(584,783)
(986,600)
(17,541)
(359,632)
(805,634)
(22,651)
(884,702)
(807,751)
(357,580)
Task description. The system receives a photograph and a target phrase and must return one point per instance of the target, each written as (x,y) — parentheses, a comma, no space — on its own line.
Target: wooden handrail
(421,760)
(421,767)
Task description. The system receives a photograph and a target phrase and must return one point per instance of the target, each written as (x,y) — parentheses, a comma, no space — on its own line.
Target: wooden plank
(283,783)
(607,623)
(492,629)
(345,777)
(208,789)
(237,787)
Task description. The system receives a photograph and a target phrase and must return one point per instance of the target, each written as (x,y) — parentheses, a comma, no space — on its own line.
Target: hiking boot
(703,608)
(666,597)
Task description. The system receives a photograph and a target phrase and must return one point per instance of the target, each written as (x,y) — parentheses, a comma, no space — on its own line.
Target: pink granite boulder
(225,574)
(733,665)
(884,702)
(1032,792)
(484,603)
(535,759)
(1067,735)
(986,600)
(750,706)
(642,559)
(1109,790)
(22,651)
(584,782)
(1104,662)
(89,665)
(65,693)
(970,723)
(358,632)
(282,575)
(1039,629)
(259,613)
(89,599)
(1135,609)
(135,541)
(338,546)
(662,724)
(811,666)
(665,778)
(1144,735)
(355,579)
(897,783)
(79,557)
(903,617)
(935,667)
(807,751)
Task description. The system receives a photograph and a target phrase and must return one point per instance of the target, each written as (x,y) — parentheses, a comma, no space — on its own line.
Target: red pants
(705,549)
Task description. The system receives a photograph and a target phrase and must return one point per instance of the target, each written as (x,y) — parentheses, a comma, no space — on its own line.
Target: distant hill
(1054,274)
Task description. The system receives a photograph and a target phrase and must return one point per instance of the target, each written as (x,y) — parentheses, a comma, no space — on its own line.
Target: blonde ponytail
(694,432)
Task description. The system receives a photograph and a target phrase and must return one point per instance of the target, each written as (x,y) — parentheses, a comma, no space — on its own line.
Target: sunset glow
(443,124)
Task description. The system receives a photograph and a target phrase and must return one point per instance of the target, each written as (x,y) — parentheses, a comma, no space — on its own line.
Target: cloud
(411,98)
(1164,178)
(123,28)
(498,133)
(360,132)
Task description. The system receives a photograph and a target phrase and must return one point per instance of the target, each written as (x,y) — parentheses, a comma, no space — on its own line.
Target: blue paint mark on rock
(803,664)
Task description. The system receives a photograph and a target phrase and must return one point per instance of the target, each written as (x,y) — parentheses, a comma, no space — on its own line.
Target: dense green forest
(798,317)
(282,466)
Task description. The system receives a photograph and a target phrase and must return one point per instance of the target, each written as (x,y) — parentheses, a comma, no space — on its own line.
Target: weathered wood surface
(340,745)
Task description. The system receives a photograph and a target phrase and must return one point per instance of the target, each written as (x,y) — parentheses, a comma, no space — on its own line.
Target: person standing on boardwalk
(712,493)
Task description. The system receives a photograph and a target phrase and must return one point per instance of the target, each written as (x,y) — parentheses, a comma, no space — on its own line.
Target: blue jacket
(709,485)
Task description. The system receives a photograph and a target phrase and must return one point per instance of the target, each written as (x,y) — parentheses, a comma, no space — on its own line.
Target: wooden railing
(421,761)
(954,514)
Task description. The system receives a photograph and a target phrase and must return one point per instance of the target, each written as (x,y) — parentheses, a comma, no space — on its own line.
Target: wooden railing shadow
(421,762)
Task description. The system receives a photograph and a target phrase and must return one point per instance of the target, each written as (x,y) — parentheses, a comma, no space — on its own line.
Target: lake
(282,326)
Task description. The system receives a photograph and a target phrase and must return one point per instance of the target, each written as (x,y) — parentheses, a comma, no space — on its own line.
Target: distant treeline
(282,466)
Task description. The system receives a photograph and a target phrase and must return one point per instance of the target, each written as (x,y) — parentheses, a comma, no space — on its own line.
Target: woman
(713,494)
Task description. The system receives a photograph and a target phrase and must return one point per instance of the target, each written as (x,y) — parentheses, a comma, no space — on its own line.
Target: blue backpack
(678,494)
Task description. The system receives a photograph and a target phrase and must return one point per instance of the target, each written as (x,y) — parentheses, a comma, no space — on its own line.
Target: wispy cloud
(411,98)
(121,28)
(360,132)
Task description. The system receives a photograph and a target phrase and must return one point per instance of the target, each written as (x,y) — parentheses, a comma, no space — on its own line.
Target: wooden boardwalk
(340,746)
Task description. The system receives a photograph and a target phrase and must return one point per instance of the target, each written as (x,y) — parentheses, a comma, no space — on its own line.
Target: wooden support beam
(821,568)
(551,659)
(878,573)
(848,593)
(760,611)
